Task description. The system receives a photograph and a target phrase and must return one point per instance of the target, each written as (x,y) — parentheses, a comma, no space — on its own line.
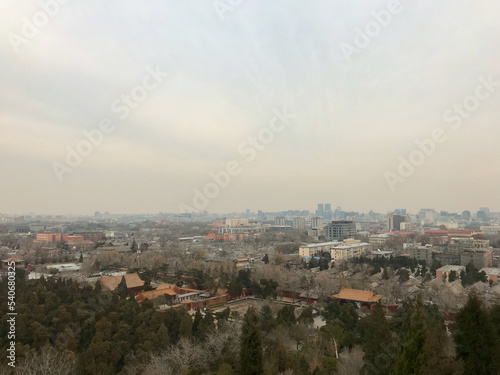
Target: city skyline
(312,211)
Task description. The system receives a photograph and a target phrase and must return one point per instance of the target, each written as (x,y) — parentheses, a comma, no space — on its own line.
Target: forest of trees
(74,329)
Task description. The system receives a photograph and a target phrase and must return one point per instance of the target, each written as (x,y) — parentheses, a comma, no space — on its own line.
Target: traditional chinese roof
(12,259)
(153,294)
(357,295)
(111,282)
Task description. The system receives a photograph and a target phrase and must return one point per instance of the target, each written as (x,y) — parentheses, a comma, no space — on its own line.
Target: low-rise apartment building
(338,251)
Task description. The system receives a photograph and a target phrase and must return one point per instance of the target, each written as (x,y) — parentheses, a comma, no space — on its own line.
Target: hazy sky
(229,70)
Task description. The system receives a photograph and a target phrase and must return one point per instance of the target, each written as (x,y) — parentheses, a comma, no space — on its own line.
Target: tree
(385,274)
(286,315)
(435,265)
(235,286)
(134,246)
(198,318)
(266,259)
(476,343)
(81,258)
(251,345)
(122,289)
(267,322)
(437,359)
(404,275)
(306,316)
(48,361)
(378,343)
(268,288)
(452,276)
(186,326)
(416,332)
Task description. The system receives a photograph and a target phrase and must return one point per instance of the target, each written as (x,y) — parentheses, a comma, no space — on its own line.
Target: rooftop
(450,268)
(491,271)
(111,282)
(357,295)
(311,245)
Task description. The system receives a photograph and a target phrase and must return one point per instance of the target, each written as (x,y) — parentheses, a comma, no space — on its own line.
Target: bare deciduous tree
(48,361)
(350,362)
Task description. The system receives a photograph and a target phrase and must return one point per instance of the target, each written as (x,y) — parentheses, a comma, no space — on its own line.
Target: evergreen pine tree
(378,343)
(266,259)
(251,345)
(267,322)
(122,289)
(198,318)
(134,246)
(207,325)
(186,326)
(437,359)
(475,339)
(412,358)
(385,274)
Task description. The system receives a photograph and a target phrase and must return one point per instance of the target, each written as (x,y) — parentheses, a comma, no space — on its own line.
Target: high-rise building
(317,223)
(340,230)
(394,221)
(279,221)
(481,215)
(485,209)
(299,223)
(328,207)
(466,214)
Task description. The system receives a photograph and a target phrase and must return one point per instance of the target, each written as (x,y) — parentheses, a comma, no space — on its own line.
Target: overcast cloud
(353,119)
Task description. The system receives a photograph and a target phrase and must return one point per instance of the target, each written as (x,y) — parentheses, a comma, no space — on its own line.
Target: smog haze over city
(183,88)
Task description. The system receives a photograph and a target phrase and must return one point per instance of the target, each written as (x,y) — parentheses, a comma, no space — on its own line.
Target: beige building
(491,230)
(349,251)
(421,253)
(339,251)
(310,250)
(379,239)
(236,222)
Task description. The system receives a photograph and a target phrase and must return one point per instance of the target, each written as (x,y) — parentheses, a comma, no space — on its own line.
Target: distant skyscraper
(340,230)
(279,221)
(482,215)
(317,222)
(394,221)
(486,210)
(466,214)
(299,223)
(328,207)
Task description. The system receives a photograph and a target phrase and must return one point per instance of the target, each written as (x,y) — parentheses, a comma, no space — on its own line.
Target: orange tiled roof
(357,295)
(12,259)
(153,294)
(111,282)
(177,289)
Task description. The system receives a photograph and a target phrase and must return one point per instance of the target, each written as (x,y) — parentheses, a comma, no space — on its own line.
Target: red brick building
(48,237)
